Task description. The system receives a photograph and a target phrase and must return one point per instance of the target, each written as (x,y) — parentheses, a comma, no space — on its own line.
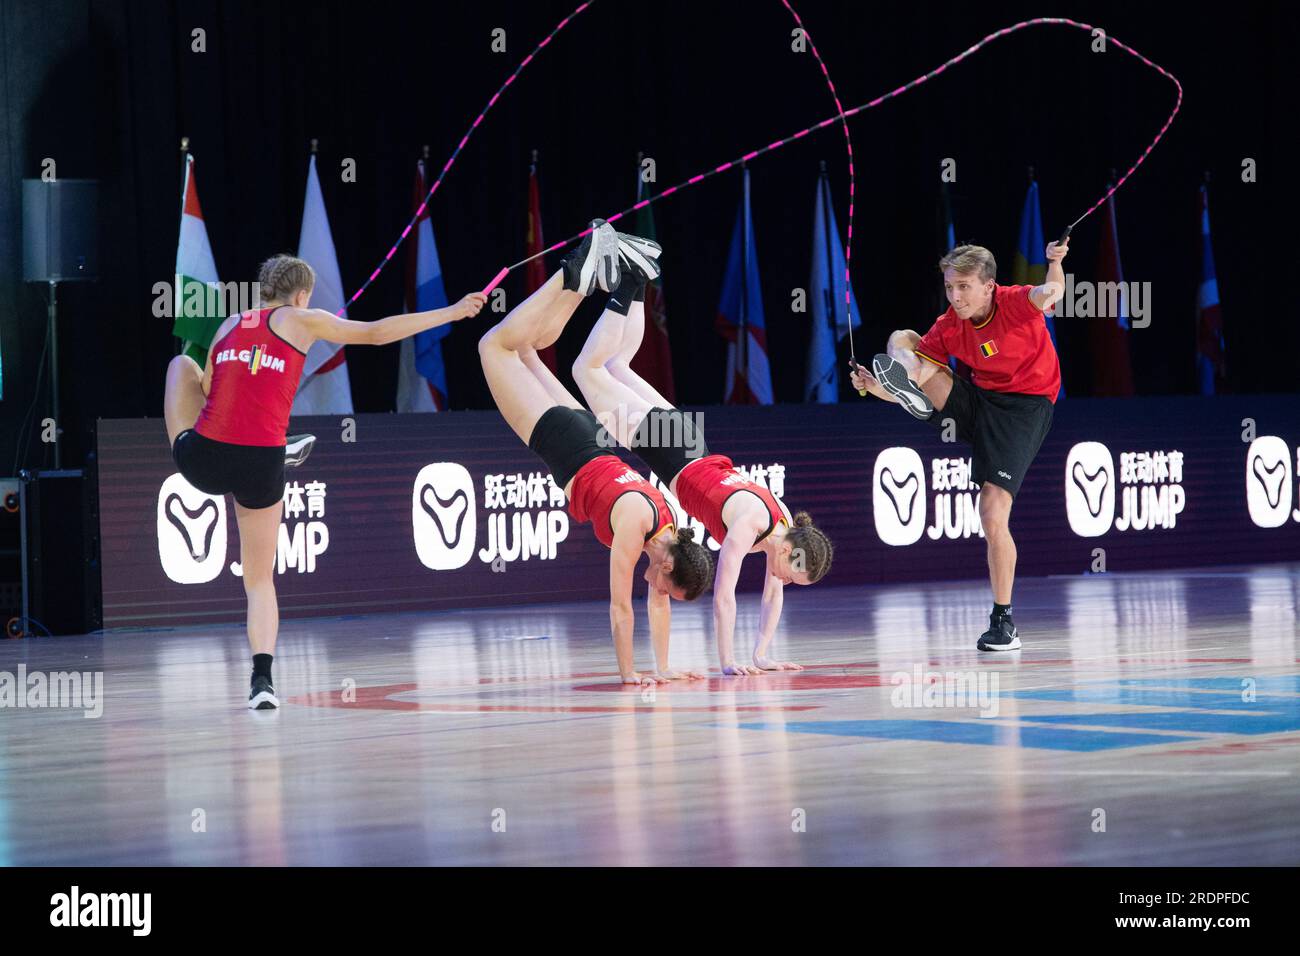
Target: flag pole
(742,354)
(185,188)
(824,189)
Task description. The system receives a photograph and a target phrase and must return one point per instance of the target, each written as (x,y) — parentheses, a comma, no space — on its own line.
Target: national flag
(1209,320)
(1108,335)
(325,388)
(1029,265)
(198,308)
(535,274)
(830,322)
(740,317)
(654,360)
(421,374)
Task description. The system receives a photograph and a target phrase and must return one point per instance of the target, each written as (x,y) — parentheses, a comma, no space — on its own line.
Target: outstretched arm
(623,556)
(331,328)
(724,602)
(768,618)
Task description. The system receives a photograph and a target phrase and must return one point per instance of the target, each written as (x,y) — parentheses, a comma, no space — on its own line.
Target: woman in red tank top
(744,517)
(227,422)
(629,516)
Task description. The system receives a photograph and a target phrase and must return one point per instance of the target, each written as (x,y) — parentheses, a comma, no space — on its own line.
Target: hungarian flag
(826,289)
(1209,321)
(1029,266)
(740,317)
(198,312)
(1112,369)
(535,274)
(654,360)
(421,374)
(325,388)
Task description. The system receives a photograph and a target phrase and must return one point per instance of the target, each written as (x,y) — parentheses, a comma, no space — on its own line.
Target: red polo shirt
(1010,351)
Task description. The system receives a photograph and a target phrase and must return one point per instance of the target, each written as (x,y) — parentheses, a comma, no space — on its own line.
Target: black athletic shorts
(1005,429)
(254,474)
(566,439)
(667,440)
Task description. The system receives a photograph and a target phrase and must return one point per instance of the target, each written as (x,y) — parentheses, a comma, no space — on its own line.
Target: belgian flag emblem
(255,358)
(988,349)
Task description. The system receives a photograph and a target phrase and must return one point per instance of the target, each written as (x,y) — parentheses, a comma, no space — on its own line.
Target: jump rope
(841,117)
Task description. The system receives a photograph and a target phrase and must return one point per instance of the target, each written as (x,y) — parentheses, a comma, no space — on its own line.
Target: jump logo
(191,532)
(443,519)
(898,496)
(1269,493)
(1147,493)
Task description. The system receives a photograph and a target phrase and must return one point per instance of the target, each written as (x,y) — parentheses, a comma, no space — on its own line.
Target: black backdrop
(108,87)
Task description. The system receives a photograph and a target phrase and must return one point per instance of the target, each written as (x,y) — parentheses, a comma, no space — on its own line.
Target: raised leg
(620,365)
(519,393)
(183,398)
(618,407)
(931,379)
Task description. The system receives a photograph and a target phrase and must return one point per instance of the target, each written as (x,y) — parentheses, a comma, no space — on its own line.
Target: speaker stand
(53,313)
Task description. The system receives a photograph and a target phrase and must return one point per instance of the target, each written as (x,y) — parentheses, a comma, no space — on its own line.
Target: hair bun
(685,536)
(802,519)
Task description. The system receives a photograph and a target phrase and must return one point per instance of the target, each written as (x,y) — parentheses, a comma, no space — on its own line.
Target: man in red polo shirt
(1004,411)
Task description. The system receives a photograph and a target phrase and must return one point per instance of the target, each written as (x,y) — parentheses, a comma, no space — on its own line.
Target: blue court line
(1278,684)
(1156,697)
(1195,722)
(985,734)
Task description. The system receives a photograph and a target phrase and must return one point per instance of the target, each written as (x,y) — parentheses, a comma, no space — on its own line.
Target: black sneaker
(1001,635)
(262,695)
(595,262)
(639,256)
(297,448)
(893,377)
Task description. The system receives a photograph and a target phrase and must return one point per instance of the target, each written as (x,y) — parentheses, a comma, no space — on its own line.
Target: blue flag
(830,322)
(740,317)
(1029,267)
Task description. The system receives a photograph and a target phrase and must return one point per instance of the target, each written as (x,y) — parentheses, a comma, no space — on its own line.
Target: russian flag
(422,377)
(740,317)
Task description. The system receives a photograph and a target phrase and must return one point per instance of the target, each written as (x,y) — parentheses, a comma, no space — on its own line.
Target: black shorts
(254,474)
(667,440)
(566,439)
(1005,430)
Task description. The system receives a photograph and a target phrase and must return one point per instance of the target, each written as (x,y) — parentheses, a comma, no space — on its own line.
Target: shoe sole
(296,452)
(636,259)
(1013,645)
(893,377)
(264,701)
(606,249)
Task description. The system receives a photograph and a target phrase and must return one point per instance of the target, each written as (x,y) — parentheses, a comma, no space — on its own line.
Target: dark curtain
(108,87)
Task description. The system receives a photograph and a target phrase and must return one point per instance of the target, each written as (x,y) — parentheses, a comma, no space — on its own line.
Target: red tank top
(704,486)
(255,376)
(601,482)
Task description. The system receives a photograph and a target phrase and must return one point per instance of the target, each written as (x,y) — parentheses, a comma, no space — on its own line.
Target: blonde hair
(970,260)
(283,276)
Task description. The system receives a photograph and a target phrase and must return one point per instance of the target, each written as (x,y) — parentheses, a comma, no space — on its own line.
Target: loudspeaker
(60,528)
(59,230)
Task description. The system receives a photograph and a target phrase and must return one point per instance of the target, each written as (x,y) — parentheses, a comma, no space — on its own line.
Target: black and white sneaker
(262,695)
(640,256)
(893,377)
(297,448)
(594,264)
(1001,635)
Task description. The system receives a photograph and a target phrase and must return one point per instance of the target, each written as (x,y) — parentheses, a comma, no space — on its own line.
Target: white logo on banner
(956,502)
(1090,489)
(191,532)
(1268,481)
(898,496)
(443,516)
(514,533)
